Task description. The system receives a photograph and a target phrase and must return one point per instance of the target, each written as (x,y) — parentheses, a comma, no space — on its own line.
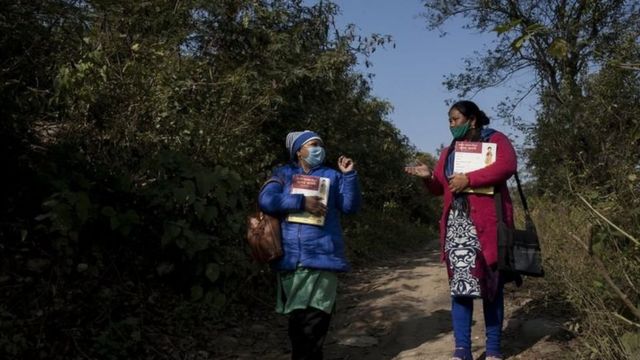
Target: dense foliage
(136,135)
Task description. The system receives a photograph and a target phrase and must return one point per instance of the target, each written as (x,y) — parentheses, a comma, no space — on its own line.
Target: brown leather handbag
(263,235)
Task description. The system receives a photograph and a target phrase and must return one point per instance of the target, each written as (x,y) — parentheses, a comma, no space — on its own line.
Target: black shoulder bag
(518,250)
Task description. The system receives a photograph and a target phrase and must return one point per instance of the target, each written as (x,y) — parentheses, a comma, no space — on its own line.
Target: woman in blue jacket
(312,254)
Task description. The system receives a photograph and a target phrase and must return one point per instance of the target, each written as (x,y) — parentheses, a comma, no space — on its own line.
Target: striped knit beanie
(296,139)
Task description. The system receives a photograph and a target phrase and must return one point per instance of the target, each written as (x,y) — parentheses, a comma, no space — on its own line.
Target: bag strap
(525,206)
(270,180)
(498,200)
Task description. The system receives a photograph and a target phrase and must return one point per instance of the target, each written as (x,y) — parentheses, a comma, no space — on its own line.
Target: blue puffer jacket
(311,246)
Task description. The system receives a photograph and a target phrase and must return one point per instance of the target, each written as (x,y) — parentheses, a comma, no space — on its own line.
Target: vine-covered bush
(136,136)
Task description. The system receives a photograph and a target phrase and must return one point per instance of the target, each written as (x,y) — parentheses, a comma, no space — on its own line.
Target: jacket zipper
(300,229)
(299,238)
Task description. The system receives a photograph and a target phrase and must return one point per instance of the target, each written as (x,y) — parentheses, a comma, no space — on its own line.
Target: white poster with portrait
(471,156)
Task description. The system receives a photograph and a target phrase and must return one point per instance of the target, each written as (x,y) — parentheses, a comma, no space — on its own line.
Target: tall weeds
(607,327)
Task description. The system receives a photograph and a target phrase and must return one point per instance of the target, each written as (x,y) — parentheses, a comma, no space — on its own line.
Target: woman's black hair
(470,109)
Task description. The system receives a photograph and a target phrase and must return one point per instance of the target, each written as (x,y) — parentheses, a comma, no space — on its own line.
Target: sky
(410,75)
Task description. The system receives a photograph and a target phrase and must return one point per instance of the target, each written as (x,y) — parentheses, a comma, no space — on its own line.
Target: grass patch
(574,274)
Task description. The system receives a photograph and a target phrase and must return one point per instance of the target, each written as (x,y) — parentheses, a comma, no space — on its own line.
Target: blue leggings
(462,313)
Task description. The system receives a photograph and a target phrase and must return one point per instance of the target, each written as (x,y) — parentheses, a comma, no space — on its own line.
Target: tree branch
(608,221)
(626,320)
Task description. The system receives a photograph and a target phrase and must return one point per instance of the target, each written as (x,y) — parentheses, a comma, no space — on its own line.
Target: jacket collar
(301,169)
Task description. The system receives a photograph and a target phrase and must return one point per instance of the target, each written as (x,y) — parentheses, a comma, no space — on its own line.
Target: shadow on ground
(387,305)
(399,308)
(405,335)
(535,329)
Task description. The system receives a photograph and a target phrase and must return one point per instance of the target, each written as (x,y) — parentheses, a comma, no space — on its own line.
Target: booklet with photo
(308,185)
(472,156)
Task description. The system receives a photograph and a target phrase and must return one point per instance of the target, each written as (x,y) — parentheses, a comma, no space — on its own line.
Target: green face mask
(460,130)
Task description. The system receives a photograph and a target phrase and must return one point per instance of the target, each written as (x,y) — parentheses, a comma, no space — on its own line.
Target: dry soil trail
(399,309)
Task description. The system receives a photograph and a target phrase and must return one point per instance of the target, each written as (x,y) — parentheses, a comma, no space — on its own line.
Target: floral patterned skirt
(465,263)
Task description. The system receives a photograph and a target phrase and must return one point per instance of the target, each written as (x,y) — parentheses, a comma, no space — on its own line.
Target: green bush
(137,136)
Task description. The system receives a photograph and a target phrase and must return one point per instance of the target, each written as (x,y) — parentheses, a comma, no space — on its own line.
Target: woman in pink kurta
(468,227)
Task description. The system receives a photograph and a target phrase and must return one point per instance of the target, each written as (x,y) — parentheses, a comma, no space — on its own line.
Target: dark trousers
(307,330)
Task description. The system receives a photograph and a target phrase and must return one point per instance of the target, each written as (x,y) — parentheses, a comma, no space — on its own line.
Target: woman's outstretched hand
(420,170)
(314,205)
(345,164)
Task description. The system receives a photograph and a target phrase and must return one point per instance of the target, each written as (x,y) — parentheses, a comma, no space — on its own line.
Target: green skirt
(305,288)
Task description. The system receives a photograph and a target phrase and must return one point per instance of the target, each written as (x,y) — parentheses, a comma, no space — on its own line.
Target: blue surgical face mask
(316,156)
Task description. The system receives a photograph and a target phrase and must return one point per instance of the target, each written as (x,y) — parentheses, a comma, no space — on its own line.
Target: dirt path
(400,309)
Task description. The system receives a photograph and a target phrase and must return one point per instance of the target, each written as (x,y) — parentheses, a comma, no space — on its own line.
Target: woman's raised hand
(345,164)
(421,170)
